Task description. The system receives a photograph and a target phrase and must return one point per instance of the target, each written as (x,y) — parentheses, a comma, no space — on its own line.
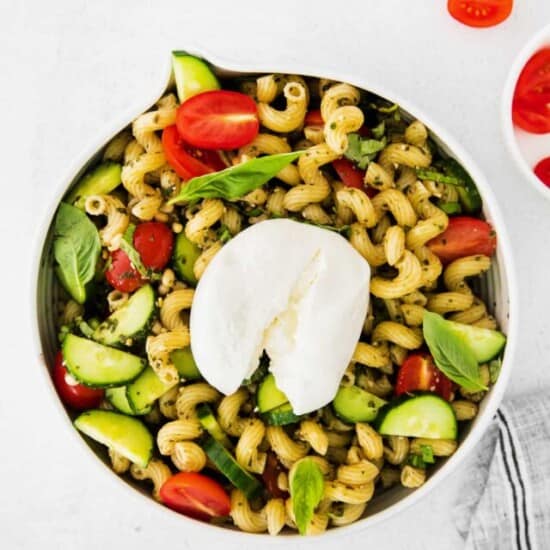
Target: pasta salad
(272,308)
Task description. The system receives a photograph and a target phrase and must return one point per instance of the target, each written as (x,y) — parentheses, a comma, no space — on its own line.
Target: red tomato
(154,242)
(218,119)
(352,176)
(121,274)
(419,373)
(195,495)
(270,475)
(534,80)
(531,116)
(314,118)
(74,395)
(464,236)
(542,171)
(480,13)
(188,161)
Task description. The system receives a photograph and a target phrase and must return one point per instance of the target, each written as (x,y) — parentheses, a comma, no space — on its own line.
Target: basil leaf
(235,181)
(434,175)
(416,461)
(469,195)
(362,151)
(379,130)
(76,249)
(306,489)
(451,354)
(427,454)
(450,207)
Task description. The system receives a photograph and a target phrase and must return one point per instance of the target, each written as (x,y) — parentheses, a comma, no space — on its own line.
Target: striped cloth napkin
(505,503)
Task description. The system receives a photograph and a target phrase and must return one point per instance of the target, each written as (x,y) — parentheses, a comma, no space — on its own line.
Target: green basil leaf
(306,489)
(76,249)
(451,355)
(127,245)
(450,207)
(469,195)
(236,181)
(434,175)
(379,130)
(427,454)
(416,461)
(362,151)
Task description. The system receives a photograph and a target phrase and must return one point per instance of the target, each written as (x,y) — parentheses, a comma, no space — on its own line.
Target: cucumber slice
(129,321)
(427,416)
(484,343)
(269,396)
(353,404)
(185,364)
(184,258)
(145,390)
(99,366)
(193,75)
(100,181)
(281,416)
(210,424)
(230,468)
(117,398)
(126,435)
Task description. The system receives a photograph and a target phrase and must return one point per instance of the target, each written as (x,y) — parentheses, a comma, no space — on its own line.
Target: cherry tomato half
(270,476)
(187,161)
(480,13)
(121,274)
(534,80)
(531,116)
(195,495)
(314,118)
(542,171)
(154,241)
(218,119)
(74,395)
(464,236)
(419,373)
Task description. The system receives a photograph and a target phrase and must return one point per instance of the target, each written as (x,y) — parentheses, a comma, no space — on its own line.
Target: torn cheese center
(294,290)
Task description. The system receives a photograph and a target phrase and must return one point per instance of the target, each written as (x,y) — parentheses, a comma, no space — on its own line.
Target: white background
(69,67)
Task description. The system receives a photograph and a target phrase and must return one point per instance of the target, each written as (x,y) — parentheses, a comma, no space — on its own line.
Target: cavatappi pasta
(389,221)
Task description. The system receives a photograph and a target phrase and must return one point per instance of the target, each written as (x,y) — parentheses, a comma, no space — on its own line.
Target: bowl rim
(293,66)
(541,38)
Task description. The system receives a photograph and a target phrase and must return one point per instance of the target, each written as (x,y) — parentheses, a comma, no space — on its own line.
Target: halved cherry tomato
(480,13)
(188,161)
(195,495)
(314,118)
(352,176)
(74,395)
(270,476)
(531,116)
(121,274)
(464,236)
(534,80)
(542,171)
(154,241)
(218,119)
(419,373)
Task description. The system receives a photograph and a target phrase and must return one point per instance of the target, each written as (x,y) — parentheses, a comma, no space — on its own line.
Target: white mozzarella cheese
(295,290)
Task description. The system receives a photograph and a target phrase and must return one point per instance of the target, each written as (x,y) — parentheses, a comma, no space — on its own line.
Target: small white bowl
(527,149)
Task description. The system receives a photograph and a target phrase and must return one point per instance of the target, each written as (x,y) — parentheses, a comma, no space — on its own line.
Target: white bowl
(499,288)
(527,149)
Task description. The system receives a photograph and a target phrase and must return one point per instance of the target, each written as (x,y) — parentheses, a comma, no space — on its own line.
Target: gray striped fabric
(506,502)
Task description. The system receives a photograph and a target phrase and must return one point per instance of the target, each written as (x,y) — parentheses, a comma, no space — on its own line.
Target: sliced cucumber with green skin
(99,366)
(424,415)
(129,321)
(192,75)
(353,404)
(101,181)
(126,435)
(230,468)
(184,257)
(117,398)
(269,396)
(145,390)
(185,364)
(485,343)
(281,416)
(210,424)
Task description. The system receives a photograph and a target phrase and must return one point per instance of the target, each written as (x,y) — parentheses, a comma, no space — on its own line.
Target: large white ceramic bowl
(499,287)
(526,149)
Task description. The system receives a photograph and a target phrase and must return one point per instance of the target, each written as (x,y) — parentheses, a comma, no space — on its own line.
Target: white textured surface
(69,67)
